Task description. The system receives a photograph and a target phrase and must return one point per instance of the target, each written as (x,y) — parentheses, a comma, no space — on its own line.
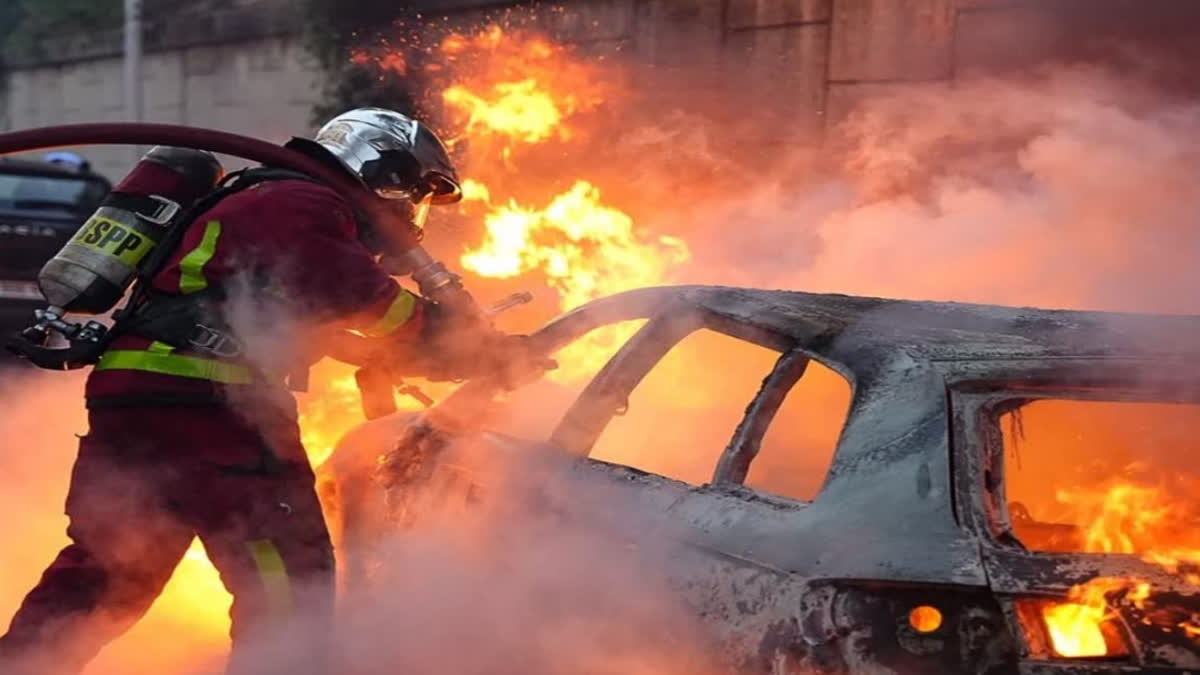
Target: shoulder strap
(262,174)
(233,183)
(185,321)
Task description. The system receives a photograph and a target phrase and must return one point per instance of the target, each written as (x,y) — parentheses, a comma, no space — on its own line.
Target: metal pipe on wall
(133,66)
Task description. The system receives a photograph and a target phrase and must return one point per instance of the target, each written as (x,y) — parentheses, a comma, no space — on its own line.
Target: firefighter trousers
(145,483)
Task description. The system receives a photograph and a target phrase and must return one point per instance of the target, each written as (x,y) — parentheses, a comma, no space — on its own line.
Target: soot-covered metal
(912,511)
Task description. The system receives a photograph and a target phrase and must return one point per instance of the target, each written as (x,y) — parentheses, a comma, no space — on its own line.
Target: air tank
(92,271)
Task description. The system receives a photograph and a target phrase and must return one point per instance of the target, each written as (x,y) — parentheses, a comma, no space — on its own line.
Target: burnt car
(42,204)
(921,549)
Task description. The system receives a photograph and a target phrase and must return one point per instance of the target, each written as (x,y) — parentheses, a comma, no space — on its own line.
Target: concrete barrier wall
(236,65)
(264,88)
(248,73)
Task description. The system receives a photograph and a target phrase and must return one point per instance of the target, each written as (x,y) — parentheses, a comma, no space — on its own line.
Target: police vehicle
(42,205)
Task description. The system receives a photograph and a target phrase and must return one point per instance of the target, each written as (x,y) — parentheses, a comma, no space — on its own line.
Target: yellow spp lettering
(111,237)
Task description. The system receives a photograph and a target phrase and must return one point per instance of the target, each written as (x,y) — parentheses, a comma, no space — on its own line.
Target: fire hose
(404,254)
(245,147)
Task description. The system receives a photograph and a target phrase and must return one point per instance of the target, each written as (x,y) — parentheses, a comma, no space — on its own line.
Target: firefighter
(192,432)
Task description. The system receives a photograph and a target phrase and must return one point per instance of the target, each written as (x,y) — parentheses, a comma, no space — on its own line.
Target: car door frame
(607,394)
(893,472)
(979,392)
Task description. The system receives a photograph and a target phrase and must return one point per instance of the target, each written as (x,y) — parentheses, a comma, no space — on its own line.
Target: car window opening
(55,193)
(1104,477)
(680,417)
(532,411)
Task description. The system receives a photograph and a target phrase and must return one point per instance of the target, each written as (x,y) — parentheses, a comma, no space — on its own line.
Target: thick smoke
(1073,189)
(554,571)
(1070,188)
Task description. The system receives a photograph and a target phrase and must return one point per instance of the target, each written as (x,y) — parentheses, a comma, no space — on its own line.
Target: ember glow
(388,60)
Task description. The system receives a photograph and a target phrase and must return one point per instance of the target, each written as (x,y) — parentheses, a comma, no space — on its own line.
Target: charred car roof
(936,331)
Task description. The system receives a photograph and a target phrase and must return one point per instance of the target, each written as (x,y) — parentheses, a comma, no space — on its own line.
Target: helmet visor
(421,211)
(416,210)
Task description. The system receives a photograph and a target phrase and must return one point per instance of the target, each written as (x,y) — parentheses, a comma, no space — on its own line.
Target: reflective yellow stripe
(274,575)
(191,267)
(174,364)
(399,312)
(160,347)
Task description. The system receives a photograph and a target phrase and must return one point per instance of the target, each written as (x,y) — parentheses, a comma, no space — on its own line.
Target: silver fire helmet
(394,155)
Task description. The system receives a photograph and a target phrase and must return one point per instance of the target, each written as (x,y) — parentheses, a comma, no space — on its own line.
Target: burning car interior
(1123,475)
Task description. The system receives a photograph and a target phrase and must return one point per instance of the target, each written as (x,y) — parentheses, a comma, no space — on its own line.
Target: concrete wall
(819,58)
(236,65)
(246,71)
(263,88)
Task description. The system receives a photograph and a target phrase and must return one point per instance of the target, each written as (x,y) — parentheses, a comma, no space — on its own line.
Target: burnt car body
(912,511)
(42,204)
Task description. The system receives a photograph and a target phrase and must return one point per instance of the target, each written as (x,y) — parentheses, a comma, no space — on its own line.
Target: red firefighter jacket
(292,240)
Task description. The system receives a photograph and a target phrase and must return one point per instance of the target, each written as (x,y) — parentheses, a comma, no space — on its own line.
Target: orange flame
(524,90)
(1125,518)
(584,248)
(517,109)
(1131,518)
(1077,627)
(520,88)
(333,409)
